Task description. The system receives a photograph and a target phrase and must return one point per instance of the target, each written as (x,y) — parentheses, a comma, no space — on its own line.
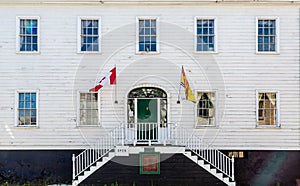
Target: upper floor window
(267,109)
(205,35)
(89,37)
(27,109)
(267,35)
(88,109)
(28,34)
(147,35)
(206,109)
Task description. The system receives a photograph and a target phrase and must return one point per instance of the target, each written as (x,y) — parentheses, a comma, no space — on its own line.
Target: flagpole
(178,99)
(116,100)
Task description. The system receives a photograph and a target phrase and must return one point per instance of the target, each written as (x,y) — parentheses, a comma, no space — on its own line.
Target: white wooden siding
(235,72)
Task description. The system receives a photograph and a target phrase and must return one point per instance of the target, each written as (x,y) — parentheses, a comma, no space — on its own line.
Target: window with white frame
(267,109)
(206,109)
(147,35)
(27,109)
(205,35)
(267,35)
(88,111)
(28,34)
(89,35)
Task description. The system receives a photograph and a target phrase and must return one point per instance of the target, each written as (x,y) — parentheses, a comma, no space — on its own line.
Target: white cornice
(140,2)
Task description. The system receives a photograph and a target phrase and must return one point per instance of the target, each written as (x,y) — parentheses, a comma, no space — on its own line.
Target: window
(206,109)
(205,35)
(267,111)
(267,35)
(88,111)
(28,34)
(27,109)
(147,36)
(89,37)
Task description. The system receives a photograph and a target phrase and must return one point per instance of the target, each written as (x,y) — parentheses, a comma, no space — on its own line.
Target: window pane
(141,47)
(153,23)
(141,23)
(147,23)
(147,31)
(21,104)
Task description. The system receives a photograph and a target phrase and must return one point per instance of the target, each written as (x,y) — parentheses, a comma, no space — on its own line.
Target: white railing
(147,131)
(95,152)
(185,137)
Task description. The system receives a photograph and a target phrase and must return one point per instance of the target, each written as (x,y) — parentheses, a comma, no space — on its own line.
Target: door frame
(158,104)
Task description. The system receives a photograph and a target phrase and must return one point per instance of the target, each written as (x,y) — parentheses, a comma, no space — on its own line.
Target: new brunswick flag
(189,95)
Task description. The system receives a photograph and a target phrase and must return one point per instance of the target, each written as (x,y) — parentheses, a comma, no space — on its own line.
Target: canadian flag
(109,79)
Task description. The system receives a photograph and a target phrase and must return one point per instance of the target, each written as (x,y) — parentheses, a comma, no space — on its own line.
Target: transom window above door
(147,92)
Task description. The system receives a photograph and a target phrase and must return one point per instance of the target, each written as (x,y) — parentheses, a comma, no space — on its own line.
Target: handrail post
(176,134)
(232,163)
(73,160)
(122,133)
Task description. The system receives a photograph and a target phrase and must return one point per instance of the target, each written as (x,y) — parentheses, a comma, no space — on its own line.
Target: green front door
(147,119)
(147,110)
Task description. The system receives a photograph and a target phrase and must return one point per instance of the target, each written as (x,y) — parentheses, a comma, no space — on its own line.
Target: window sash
(205,35)
(267,35)
(205,111)
(88,109)
(147,35)
(267,109)
(89,35)
(27,111)
(28,34)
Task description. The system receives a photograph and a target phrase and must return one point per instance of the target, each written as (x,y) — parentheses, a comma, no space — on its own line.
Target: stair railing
(187,138)
(103,146)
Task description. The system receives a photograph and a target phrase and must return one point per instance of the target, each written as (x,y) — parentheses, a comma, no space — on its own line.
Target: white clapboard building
(240,59)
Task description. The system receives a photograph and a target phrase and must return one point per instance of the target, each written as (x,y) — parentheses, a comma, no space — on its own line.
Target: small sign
(122,150)
(149,163)
(149,150)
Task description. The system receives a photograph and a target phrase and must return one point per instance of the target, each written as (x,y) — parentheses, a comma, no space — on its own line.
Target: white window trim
(277,39)
(215,109)
(79,34)
(215,31)
(18,18)
(78,124)
(278,123)
(137,35)
(17,108)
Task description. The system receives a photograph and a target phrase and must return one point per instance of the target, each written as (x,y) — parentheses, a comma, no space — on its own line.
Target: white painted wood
(235,72)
